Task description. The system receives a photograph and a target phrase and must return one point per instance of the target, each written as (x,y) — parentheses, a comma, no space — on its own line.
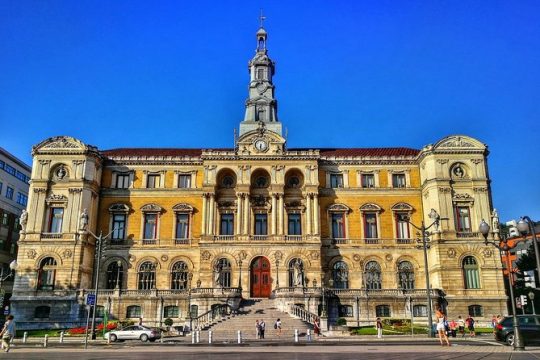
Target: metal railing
(303,314)
(206,319)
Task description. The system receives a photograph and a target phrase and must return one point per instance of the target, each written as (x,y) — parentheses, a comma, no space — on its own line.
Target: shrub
(341,321)
(168,322)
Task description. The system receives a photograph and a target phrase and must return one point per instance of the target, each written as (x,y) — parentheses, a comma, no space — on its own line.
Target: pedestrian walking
(8,333)
(257,329)
(277,326)
(494,322)
(441,326)
(453,328)
(379,328)
(461,326)
(262,327)
(470,326)
(317,327)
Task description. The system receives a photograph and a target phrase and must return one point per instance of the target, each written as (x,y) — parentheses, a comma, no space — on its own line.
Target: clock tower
(261,106)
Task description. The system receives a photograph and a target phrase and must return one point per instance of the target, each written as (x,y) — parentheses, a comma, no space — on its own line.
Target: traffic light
(523,299)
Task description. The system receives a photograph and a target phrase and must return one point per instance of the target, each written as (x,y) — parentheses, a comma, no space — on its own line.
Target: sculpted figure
(23,219)
(495,220)
(83,220)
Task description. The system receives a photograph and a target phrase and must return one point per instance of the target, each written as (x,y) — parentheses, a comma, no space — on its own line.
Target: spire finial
(262,18)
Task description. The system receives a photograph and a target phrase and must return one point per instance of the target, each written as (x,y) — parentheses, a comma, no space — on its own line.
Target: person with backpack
(470,326)
(277,326)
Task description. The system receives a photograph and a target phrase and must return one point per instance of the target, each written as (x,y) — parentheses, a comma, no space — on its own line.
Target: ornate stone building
(328,230)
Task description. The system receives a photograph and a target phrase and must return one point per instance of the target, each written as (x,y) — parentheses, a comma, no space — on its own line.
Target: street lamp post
(12,267)
(99,248)
(524,226)
(504,246)
(531,296)
(424,244)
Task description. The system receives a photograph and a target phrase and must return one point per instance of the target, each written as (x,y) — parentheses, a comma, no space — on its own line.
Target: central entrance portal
(261,286)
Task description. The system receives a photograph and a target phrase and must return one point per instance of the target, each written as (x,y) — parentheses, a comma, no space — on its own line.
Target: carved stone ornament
(132,258)
(465,197)
(458,171)
(56,198)
(339,207)
(119,208)
(242,255)
(487,253)
(356,257)
(31,254)
(445,190)
(278,255)
(451,253)
(314,255)
(164,257)
(457,142)
(185,208)
(480,189)
(206,255)
(63,143)
(402,207)
(61,173)
(370,207)
(67,254)
(388,257)
(442,161)
(477,161)
(151,208)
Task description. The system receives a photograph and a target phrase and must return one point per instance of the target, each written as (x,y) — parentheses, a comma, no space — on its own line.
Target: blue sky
(348,74)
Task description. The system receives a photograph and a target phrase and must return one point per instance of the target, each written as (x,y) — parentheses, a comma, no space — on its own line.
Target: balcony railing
(467,235)
(51,235)
(294,238)
(372,241)
(259,237)
(405,241)
(182,241)
(224,237)
(149,241)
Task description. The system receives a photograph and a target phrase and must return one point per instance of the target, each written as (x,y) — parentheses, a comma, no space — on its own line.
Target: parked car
(529,326)
(133,332)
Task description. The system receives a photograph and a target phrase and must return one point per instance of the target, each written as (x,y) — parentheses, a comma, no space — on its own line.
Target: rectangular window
(171,312)
(368,180)
(2,164)
(398,180)
(10,169)
(9,193)
(336,181)
(295,224)
(1,188)
(402,226)
(338,226)
(261,224)
(150,226)
(182,226)
(22,199)
(370,226)
(420,311)
(382,311)
(184,181)
(119,227)
(122,181)
(227,224)
(55,220)
(153,181)
(463,219)
(19,175)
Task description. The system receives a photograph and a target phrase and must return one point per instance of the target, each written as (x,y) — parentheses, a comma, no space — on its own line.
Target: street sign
(90,299)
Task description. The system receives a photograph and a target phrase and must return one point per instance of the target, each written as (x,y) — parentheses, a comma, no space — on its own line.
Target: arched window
(147,276)
(42,312)
(171,312)
(471,277)
(222,273)
(476,310)
(47,274)
(406,275)
(373,276)
(340,275)
(296,272)
(179,276)
(382,311)
(133,311)
(115,275)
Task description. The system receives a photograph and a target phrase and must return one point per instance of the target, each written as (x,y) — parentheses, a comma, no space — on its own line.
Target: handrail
(208,317)
(303,314)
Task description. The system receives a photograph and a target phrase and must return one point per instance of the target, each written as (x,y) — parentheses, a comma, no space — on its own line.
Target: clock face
(261,145)
(261,88)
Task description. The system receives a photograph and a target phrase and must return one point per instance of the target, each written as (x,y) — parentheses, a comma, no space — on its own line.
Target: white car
(133,332)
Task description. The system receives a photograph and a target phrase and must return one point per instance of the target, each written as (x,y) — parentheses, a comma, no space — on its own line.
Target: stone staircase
(225,329)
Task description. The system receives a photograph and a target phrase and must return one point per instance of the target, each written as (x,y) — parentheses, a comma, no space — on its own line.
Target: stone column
(315,214)
(308,214)
(38,206)
(204,214)
(274,214)
(246,214)
(211,219)
(280,209)
(239,204)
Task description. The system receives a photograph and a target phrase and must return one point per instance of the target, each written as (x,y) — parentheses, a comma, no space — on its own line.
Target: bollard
(61,337)
(198,336)
(209,336)
(239,337)
(193,337)
(46,341)
(25,337)
(161,337)
(295,335)
(309,335)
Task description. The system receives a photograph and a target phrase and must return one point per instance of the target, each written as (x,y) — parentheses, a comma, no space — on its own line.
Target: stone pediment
(260,142)
(61,144)
(459,142)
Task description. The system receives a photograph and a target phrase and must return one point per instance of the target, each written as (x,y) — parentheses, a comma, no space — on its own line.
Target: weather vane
(262,18)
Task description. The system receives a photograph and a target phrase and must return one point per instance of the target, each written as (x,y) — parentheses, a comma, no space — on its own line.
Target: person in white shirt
(8,333)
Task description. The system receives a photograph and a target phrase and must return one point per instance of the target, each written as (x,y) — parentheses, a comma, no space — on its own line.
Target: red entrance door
(261,286)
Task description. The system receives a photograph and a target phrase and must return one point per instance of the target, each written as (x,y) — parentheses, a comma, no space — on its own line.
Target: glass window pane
(150,226)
